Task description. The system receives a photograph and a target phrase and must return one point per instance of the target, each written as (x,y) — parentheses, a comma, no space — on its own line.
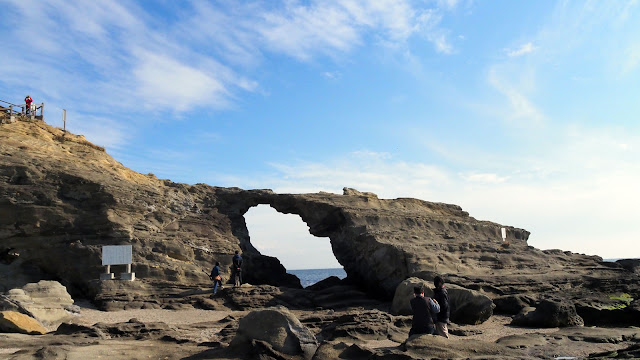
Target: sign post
(504,234)
(117,255)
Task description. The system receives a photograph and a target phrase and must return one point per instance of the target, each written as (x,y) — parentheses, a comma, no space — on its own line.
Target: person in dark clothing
(237,268)
(424,311)
(442,297)
(216,277)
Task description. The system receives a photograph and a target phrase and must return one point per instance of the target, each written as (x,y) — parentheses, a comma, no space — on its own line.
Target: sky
(523,113)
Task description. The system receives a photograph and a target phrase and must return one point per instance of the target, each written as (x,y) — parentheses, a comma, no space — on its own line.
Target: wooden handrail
(23,109)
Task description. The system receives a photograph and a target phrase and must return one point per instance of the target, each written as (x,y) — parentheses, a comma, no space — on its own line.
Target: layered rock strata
(62,198)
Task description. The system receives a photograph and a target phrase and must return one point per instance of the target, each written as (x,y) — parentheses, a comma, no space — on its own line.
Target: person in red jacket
(28,100)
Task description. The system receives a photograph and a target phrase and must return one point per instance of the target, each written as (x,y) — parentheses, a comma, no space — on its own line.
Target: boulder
(15,322)
(512,304)
(46,301)
(467,306)
(549,313)
(632,265)
(278,328)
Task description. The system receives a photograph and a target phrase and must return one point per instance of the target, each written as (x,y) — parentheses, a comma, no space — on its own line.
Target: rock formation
(278,329)
(467,306)
(62,198)
(46,301)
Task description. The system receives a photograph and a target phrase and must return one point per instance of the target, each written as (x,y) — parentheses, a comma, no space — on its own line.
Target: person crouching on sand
(424,311)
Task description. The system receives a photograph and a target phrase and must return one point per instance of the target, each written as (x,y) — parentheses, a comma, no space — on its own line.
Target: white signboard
(116,255)
(504,233)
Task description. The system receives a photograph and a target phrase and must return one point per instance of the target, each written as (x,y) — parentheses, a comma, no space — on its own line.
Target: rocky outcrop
(549,313)
(62,198)
(278,329)
(467,306)
(513,304)
(46,301)
(15,322)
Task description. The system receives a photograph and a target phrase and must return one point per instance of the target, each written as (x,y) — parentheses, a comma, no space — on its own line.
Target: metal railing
(13,109)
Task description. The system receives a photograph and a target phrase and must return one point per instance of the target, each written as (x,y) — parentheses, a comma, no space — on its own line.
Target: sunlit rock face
(62,198)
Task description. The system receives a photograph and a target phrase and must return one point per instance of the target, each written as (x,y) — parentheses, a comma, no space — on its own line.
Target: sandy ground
(171,317)
(491,330)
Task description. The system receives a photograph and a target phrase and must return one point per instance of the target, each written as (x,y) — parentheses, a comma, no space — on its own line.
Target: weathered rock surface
(277,329)
(62,198)
(11,321)
(467,306)
(46,301)
(549,313)
(513,304)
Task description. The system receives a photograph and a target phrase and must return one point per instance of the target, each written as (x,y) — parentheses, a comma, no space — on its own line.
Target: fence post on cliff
(64,120)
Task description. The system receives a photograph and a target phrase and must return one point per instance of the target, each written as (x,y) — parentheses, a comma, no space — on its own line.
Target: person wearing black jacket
(442,297)
(424,311)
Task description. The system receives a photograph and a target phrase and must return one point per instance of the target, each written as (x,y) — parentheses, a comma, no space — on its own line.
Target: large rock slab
(15,322)
(467,306)
(278,328)
(46,301)
(549,313)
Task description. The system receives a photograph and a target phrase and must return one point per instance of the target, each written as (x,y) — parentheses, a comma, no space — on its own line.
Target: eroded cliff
(62,198)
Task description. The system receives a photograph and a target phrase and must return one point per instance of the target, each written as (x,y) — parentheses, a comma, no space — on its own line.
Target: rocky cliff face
(62,198)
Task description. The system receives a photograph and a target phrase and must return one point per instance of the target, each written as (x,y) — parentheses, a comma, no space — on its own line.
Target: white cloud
(485,178)
(165,82)
(521,108)
(527,48)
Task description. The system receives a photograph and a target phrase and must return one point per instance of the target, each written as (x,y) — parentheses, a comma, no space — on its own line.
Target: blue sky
(523,113)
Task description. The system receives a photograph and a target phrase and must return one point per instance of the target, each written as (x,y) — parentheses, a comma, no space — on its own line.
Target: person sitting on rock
(237,268)
(424,311)
(215,276)
(442,298)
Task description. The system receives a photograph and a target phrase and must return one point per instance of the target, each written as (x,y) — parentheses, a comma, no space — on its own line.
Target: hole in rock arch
(287,237)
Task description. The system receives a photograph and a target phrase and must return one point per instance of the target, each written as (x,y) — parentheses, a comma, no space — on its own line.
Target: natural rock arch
(287,237)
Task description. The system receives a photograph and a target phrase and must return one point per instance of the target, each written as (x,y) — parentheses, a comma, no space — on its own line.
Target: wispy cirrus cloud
(521,110)
(522,50)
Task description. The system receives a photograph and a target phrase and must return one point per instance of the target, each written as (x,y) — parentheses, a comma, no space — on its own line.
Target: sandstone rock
(277,327)
(467,306)
(46,301)
(632,265)
(63,198)
(361,325)
(326,283)
(609,310)
(512,304)
(549,313)
(15,322)
(75,329)
(438,347)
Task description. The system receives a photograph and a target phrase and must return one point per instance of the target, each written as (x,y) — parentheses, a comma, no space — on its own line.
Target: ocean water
(309,277)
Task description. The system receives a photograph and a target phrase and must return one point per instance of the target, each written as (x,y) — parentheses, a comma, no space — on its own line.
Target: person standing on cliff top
(441,295)
(424,311)
(237,269)
(28,100)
